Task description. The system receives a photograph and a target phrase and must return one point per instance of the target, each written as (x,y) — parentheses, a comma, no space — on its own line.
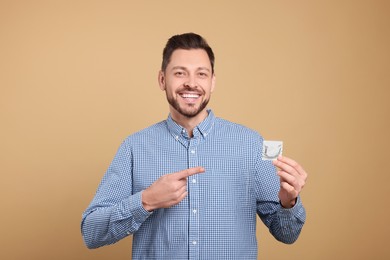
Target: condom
(272,149)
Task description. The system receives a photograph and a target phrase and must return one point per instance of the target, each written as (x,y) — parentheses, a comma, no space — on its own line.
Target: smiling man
(190,187)
(188,80)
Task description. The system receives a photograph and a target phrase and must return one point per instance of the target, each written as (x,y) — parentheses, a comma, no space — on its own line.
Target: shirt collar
(204,128)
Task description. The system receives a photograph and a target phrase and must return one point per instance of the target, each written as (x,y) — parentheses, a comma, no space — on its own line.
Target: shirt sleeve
(284,224)
(115,212)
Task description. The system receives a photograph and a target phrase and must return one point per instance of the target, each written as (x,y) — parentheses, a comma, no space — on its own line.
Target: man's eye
(203,74)
(179,73)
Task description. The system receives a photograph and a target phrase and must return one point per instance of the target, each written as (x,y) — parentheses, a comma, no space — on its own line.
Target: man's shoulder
(154,131)
(233,128)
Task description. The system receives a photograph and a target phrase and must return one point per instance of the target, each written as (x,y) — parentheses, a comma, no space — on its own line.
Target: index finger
(188,172)
(290,162)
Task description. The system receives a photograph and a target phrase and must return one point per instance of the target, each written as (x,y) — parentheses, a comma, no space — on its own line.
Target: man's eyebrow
(184,68)
(204,68)
(179,68)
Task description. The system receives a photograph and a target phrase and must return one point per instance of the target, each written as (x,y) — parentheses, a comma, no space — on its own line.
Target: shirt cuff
(139,213)
(297,210)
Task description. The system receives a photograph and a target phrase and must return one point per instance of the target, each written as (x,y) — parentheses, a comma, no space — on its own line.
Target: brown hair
(186,41)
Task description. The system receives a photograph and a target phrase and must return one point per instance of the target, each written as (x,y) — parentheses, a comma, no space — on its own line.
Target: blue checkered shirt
(217,219)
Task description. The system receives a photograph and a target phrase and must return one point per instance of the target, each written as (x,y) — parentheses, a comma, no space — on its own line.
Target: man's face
(188,82)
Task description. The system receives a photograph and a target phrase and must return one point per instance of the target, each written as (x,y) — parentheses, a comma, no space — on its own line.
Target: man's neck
(189,123)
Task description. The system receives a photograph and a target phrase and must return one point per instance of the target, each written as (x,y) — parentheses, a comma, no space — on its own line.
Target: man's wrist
(289,204)
(144,200)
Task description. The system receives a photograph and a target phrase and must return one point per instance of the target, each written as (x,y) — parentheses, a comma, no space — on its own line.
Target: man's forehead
(197,58)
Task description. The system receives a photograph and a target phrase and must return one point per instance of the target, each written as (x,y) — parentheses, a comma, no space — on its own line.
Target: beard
(190,112)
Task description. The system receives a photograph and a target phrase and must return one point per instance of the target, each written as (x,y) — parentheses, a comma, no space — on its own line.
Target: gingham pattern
(217,220)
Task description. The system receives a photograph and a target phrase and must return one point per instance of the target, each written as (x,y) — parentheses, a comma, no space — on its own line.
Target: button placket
(193,200)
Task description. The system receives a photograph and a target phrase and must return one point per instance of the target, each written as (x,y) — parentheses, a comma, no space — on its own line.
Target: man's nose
(191,82)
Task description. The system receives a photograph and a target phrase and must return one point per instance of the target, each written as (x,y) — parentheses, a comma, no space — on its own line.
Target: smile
(189,95)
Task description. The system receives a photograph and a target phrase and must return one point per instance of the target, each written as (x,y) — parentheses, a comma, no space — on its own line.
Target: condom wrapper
(271,150)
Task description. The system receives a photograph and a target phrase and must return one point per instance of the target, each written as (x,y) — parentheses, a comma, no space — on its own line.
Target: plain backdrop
(77,77)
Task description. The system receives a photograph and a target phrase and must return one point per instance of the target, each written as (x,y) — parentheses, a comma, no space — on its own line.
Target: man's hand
(292,180)
(168,190)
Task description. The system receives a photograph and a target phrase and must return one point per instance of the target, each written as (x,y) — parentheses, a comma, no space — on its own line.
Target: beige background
(76,77)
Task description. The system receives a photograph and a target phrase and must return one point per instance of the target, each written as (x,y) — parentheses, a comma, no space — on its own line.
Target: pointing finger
(188,172)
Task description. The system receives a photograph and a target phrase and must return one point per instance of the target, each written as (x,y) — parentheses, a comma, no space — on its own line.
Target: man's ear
(213,79)
(161,80)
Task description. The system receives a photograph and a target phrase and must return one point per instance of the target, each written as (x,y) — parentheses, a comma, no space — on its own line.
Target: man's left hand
(292,180)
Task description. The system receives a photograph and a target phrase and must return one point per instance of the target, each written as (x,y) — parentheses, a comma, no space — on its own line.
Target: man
(190,186)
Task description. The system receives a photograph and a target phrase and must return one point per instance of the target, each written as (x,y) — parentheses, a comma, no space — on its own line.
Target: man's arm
(115,212)
(284,215)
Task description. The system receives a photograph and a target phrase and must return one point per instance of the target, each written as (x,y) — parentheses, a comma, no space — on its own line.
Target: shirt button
(192,151)
(194,242)
(193,181)
(177,137)
(194,211)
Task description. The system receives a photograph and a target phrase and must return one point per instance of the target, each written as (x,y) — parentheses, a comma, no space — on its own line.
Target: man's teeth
(190,95)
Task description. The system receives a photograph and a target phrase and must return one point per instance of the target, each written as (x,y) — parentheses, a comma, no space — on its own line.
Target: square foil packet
(272,149)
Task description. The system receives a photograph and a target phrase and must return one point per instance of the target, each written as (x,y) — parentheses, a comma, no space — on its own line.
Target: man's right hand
(168,190)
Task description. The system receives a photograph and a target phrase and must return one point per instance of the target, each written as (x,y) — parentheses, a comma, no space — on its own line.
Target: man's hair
(186,41)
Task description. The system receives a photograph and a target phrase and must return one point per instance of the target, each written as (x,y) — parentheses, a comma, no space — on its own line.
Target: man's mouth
(190,97)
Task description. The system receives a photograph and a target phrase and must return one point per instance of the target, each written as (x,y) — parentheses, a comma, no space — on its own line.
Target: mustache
(196,90)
